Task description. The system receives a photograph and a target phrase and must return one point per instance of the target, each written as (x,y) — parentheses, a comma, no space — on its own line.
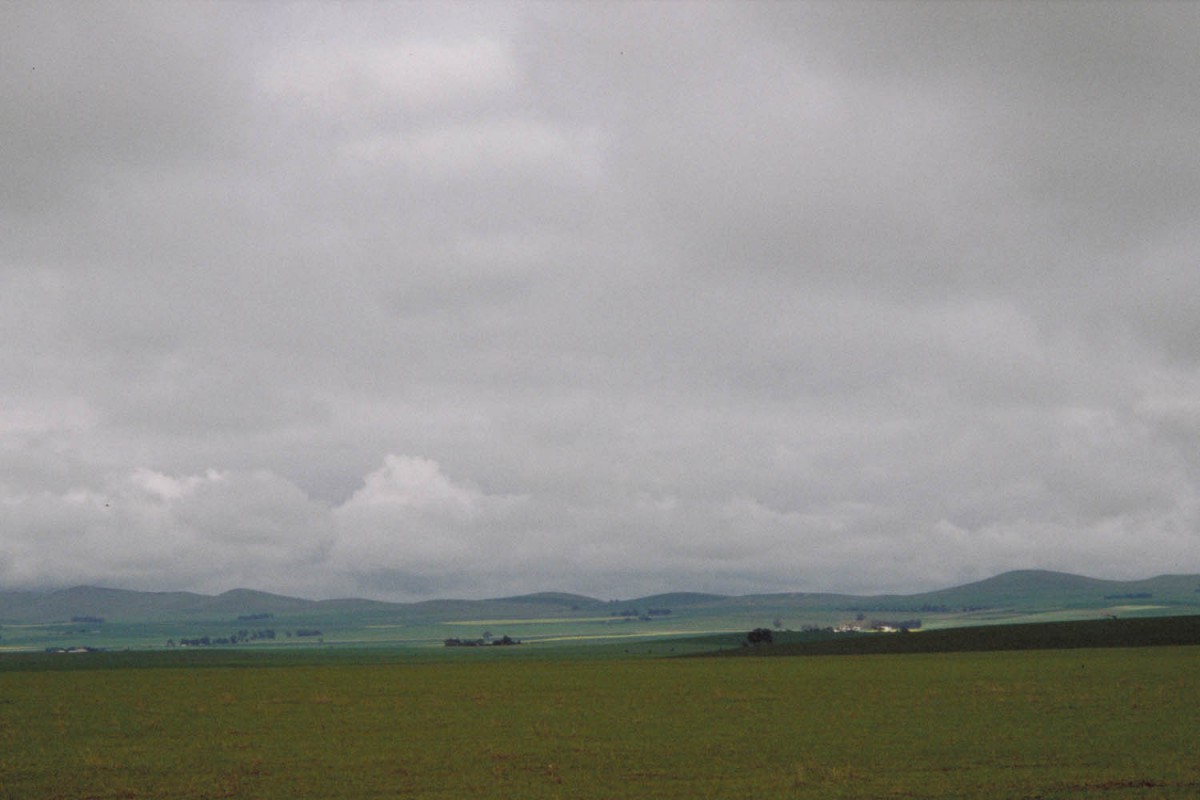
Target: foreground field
(1049,724)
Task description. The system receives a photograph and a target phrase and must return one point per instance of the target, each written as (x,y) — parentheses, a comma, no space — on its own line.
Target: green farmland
(1113,723)
(113,619)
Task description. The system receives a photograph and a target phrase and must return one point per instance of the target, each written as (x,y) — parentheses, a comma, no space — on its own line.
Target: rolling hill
(1019,591)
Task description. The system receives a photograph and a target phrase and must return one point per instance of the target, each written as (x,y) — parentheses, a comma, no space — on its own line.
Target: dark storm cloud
(409,300)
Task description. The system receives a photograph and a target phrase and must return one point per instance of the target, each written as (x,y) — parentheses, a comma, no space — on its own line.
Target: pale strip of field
(644,635)
(546,621)
(427,641)
(424,641)
(1134,608)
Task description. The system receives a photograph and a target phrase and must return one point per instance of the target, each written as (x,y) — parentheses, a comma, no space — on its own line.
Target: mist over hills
(1015,591)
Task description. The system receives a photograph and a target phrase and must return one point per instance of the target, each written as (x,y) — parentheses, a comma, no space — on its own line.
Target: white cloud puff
(149,530)
(410,517)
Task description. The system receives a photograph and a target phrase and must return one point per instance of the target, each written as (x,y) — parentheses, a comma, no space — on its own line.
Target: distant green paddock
(352,631)
(1046,724)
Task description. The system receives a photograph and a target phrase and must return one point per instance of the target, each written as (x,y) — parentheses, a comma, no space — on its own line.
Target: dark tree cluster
(75,649)
(241,637)
(503,641)
(199,641)
(760,636)
(631,614)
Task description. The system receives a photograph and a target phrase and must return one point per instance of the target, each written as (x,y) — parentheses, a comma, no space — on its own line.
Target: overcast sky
(408,301)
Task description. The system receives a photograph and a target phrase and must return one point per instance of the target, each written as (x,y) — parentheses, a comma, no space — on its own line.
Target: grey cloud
(93,90)
(720,297)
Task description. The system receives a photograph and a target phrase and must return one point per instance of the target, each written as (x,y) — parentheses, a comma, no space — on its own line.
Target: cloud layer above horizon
(409,301)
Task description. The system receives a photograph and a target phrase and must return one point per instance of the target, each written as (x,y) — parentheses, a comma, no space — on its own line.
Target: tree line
(240,637)
(488,642)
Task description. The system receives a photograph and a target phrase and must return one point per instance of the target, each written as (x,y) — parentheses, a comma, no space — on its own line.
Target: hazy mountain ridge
(1035,585)
(1016,589)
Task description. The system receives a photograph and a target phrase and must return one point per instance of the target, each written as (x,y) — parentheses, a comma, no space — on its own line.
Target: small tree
(760,636)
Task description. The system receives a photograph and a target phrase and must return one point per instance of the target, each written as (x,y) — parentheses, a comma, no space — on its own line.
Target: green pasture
(1113,723)
(352,631)
(357,630)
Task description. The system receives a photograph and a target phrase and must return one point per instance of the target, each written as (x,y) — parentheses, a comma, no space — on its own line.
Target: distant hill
(552,599)
(1018,592)
(1024,588)
(677,599)
(16,607)
(134,606)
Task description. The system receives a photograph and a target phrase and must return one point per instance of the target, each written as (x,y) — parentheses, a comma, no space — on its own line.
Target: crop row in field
(1052,724)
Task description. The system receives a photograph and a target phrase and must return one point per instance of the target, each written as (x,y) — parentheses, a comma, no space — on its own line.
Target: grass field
(1038,724)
